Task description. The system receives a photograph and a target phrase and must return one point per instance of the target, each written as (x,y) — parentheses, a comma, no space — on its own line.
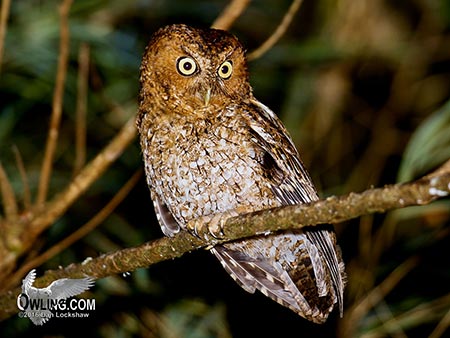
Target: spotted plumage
(210,147)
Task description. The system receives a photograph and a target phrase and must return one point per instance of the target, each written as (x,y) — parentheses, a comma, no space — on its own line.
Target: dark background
(362,86)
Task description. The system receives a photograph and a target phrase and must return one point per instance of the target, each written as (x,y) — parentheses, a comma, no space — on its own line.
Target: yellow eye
(186,66)
(225,70)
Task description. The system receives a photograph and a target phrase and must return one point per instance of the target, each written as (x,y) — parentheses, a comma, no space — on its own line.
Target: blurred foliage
(363,87)
(429,146)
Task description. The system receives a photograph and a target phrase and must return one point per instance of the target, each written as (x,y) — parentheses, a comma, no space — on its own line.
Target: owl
(210,147)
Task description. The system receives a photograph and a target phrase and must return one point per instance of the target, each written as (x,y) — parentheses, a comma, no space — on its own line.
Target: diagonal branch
(230,14)
(53,131)
(61,202)
(4,14)
(330,210)
(81,108)
(78,234)
(7,194)
(26,195)
(24,231)
(278,33)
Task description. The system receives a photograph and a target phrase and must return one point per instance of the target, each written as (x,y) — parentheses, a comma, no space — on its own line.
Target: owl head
(190,68)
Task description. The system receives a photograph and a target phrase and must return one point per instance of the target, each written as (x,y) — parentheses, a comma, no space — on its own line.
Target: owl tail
(300,280)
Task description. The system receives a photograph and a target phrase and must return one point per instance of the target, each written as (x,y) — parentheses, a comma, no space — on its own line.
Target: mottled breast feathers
(210,147)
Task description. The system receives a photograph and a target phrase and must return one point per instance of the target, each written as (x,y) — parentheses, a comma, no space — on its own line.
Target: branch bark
(4,14)
(23,233)
(58,93)
(61,202)
(230,14)
(278,33)
(331,210)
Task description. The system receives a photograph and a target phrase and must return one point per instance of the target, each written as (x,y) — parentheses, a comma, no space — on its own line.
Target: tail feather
(289,268)
(326,241)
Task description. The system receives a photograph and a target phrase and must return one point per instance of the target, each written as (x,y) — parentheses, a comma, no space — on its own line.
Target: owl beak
(207,96)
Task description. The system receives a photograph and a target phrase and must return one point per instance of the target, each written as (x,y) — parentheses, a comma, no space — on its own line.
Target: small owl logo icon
(38,304)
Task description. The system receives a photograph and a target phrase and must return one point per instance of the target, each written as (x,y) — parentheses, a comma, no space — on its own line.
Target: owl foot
(211,225)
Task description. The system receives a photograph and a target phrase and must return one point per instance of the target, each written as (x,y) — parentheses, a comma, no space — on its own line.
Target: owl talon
(195,227)
(215,226)
(212,225)
(220,235)
(217,223)
(206,226)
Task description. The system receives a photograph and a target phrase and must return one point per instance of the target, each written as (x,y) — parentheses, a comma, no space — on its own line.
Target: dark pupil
(187,66)
(224,69)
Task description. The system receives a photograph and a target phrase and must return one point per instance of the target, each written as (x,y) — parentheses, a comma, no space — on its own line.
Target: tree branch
(4,14)
(81,108)
(76,235)
(61,202)
(230,14)
(53,131)
(331,210)
(23,233)
(278,33)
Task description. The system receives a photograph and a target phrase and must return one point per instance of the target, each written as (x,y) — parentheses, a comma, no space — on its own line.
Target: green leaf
(429,145)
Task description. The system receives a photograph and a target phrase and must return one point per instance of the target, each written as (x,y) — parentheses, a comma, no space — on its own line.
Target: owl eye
(225,70)
(186,66)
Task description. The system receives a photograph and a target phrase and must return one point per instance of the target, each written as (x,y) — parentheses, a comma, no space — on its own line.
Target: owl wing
(28,281)
(311,279)
(268,276)
(292,184)
(64,288)
(169,225)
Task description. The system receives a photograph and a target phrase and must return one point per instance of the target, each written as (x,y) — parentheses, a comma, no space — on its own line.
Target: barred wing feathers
(302,270)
